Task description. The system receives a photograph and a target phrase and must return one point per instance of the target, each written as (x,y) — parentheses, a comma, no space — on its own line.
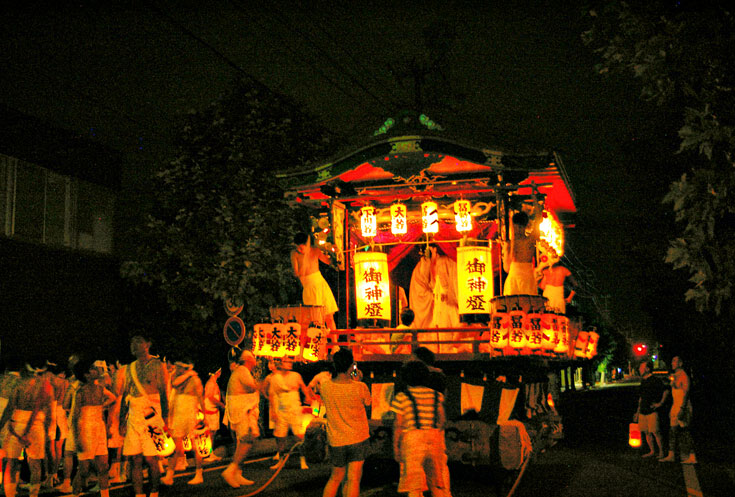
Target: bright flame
(552,234)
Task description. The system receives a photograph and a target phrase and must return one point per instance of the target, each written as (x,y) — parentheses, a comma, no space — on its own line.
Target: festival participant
(9,381)
(284,392)
(348,432)
(212,406)
(305,262)
(552,284)
(418,438)
(28,415)
(680,416)
(59,425)
(518,254)
(421,297)
(396,339)
(145,408)
(446,299)
(70,443)
(118,469)
(188,400)
(90,429)
(242,411)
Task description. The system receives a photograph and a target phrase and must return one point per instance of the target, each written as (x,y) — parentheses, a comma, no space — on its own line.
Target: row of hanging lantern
(277,340)
(429,218)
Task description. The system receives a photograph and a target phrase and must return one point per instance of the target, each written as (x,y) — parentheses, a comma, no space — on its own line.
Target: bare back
(305,263)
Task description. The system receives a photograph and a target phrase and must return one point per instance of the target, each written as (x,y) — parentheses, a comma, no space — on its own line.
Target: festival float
(416,218)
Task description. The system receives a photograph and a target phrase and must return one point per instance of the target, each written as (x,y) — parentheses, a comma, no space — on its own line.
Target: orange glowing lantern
(315,345)
(562,333)
(372,285)
(592,340)
(260,337)
(499,330)
(292,339)
(549,332)
(462,216)
(533,330)
(398,219)
(273,344)
(634,435)
(430,217)
(163,442)
(474,280)
(517,317)
(368,221)
(580,345)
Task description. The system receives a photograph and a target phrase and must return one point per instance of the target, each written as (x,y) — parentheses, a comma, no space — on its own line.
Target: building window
(40,206)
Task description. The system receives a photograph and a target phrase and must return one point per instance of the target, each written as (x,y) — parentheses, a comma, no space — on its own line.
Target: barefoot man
(144,408)
(305,262)
(242,411)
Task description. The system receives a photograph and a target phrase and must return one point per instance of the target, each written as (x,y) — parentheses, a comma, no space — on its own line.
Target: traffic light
(640,349)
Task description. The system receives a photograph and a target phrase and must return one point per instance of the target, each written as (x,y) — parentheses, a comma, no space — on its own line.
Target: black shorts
(340,456)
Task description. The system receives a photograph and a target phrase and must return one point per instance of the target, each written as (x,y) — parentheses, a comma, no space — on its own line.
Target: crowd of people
(84,425)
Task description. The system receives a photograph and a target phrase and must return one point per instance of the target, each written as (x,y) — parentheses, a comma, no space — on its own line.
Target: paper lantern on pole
(474,280)
(592,340)
(274,343)
(260,336)
(398,219)
(549,331)
(315,344)
(562,332)
(499,330)
(430,217)
(533,330)
(292,339)
(372,285)
(462,216)
(580,345)
(517,316)
(368,221)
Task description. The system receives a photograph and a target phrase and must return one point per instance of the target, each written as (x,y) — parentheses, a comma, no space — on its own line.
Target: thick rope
(281,464)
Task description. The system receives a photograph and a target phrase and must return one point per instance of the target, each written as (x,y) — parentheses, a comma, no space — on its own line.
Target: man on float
(552,284)
(305,262)
(518,253)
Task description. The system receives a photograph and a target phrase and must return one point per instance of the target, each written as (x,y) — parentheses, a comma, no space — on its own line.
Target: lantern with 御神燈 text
(430,217)
(292,339)
(398,219)
(462,216)
(372,285)
(474,280)
(368,221)
(315,343)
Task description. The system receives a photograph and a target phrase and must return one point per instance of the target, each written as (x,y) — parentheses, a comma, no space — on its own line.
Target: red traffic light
(640,349)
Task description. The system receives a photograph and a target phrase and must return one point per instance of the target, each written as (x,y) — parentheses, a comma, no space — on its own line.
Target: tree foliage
(220,228)
(681,53)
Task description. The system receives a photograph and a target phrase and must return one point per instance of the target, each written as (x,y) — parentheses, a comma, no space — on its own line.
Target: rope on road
(281,464)
(520,474)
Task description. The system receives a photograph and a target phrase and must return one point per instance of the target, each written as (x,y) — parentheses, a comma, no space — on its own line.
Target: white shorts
(92,433)
(139,437)
(36,436)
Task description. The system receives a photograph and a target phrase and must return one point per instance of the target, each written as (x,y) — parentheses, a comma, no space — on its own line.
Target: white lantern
(474,280)
(462,216)
(430,217)
(398,219)
(368,221)
(372,285)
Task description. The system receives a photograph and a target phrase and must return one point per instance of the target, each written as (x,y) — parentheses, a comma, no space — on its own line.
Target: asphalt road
(593,459)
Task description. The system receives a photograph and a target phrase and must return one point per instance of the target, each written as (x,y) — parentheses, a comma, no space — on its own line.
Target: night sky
(506,77)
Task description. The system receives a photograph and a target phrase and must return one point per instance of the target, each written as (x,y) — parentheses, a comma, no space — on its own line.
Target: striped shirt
(429,404)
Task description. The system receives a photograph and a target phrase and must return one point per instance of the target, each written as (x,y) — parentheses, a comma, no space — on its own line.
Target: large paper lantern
(398,219)
(292,339)
(430,217)
(315,344)
(260,337)
(368,221)
(474,280)
(372,285)
(462,216)
(517,334)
